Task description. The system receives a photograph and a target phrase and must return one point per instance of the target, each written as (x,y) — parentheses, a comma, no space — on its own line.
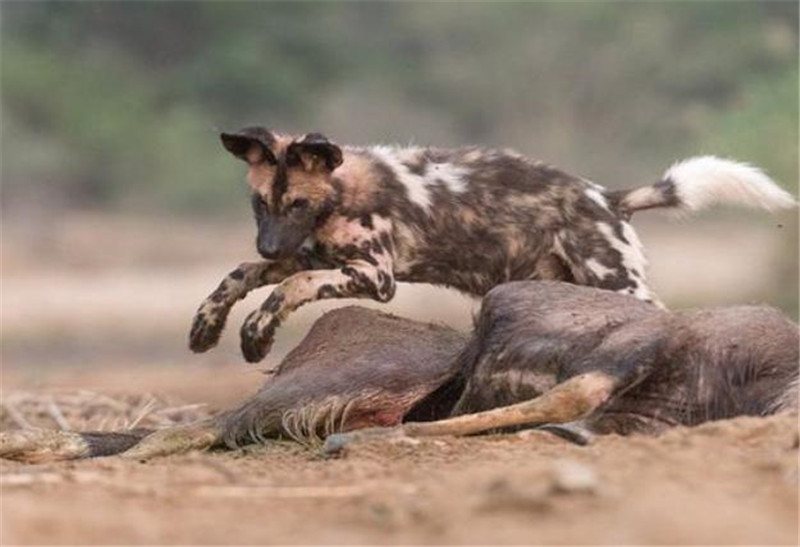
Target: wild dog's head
(292,185)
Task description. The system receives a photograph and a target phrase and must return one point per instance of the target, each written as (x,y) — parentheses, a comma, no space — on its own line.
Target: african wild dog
(350,222)
(543,354)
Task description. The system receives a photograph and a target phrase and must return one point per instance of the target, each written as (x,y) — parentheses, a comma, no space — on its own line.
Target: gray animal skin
(662,368)
(541,354)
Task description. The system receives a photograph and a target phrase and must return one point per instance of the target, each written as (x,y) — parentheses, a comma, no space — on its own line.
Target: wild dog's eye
(298,204)
(292,158)
(259,207)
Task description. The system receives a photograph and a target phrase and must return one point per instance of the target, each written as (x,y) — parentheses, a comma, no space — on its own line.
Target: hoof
(574,432)
(337,442)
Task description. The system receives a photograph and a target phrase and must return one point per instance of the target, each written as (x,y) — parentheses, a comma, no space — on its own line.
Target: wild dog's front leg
(357,279)
(211,315)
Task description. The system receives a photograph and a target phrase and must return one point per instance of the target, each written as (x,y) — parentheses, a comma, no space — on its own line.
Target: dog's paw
(207,328)
(257,335)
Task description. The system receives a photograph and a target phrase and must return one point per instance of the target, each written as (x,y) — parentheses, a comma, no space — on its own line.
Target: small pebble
(569,477)
(408,441)
(502,495)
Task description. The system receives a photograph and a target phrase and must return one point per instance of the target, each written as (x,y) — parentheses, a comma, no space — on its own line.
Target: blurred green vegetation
(117,104)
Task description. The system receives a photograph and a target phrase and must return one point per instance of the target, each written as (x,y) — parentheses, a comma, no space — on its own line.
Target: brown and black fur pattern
(348,222)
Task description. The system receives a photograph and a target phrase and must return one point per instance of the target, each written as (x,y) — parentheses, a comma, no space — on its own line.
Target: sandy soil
(729,482)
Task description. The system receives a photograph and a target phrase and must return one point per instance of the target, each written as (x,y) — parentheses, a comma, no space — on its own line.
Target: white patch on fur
(595,194)
(473,156)
(704,181)
(598,269)
(308,243)
(630,234)
(454,177)
(632,256)
(415,185)
(511,153)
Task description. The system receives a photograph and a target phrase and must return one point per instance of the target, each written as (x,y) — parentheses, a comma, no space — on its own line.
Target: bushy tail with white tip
(698,183)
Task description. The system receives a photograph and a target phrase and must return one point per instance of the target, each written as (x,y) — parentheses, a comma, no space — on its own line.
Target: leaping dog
(345,222)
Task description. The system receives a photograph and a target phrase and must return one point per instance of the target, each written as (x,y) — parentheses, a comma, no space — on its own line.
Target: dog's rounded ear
(314,152)
(250,144)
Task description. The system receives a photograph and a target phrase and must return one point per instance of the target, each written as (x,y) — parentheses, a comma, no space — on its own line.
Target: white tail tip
(707,180)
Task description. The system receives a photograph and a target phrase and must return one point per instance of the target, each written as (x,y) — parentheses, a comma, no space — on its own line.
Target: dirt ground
(731,482)
(108,313)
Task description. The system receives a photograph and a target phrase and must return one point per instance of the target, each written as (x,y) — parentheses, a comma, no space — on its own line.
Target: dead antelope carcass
(552,353)
(541,354)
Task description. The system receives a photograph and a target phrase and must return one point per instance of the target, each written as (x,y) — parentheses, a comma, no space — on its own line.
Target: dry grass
(83,410)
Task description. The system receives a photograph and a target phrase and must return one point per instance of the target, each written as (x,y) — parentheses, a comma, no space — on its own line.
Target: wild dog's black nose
(268,251)
(269,240)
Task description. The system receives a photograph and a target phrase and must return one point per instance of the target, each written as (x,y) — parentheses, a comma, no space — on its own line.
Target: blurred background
(121,211)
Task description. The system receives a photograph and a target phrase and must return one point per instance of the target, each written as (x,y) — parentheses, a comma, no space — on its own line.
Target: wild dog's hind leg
(606,254)
(209,321)
(358,279)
